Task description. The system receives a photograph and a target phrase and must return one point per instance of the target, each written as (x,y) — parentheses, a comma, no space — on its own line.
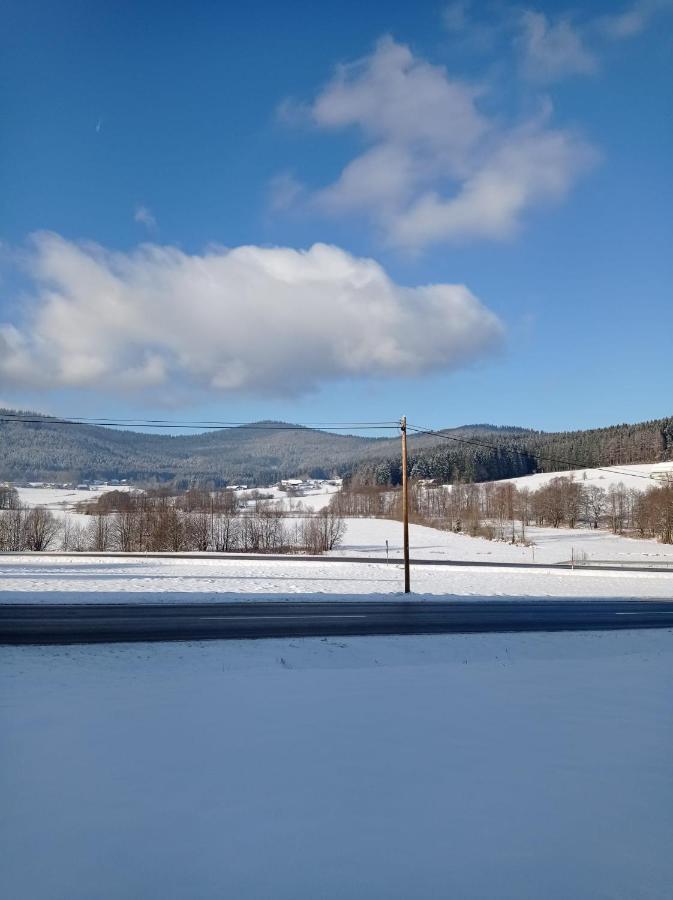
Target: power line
(206,426)
(522,452)
(216,425)
(205,422)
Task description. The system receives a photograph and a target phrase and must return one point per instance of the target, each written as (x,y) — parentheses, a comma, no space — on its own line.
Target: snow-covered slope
(636,476)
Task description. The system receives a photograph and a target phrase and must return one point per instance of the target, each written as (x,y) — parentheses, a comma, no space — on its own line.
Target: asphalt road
(598,565)
(101,623)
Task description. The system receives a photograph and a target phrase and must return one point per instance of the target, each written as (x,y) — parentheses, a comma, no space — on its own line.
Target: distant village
(293,486)
(68,486)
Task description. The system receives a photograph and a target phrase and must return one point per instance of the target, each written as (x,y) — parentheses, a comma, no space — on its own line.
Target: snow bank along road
(498,766)
(96,623)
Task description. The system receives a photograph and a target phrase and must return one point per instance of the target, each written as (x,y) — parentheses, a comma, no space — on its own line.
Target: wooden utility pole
(405,505)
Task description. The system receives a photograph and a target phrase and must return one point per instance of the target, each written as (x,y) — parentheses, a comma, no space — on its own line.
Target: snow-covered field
(515,767)
(368,537)
(31,579)
(34,578)
(630,476)
(313,499)
(62,500)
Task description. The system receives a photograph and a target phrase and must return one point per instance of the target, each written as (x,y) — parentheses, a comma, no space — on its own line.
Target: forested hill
(45,450)
(481,453)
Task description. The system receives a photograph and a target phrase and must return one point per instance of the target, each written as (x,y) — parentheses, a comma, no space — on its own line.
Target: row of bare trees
(28,529)
(504,511)
(153,527)
(623,510)
(192,500)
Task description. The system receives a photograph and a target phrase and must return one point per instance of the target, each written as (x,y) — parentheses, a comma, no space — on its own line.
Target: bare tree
(99,533)
(595,504)
(40,529)
(9,497)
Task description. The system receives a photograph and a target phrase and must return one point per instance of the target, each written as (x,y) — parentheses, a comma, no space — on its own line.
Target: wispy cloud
(555,47)
(435,167)
(552,49)
(264,320)
(550,46)
(144,216)
(455,16)
(631,20)
(284,191)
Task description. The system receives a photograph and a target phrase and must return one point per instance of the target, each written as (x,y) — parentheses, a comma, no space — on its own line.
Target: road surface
(94,623)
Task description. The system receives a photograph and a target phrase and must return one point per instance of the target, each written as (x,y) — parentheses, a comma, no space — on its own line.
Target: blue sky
(520,151)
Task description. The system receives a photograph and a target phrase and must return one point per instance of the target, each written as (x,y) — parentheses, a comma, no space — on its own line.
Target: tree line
(504,511)
(516,452)
(158,521)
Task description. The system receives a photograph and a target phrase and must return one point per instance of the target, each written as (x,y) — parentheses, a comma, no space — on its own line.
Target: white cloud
(435,167)
(552,49)
(267,320)
(396,97)
(532,165)
(144,216)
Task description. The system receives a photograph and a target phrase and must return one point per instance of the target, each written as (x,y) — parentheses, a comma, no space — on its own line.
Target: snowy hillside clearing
(630,476)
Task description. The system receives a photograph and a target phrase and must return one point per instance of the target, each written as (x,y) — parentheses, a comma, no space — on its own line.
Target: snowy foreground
(32,578)
(478,767)
(29,579)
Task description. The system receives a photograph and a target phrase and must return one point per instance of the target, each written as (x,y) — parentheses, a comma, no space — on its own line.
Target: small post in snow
(387,557)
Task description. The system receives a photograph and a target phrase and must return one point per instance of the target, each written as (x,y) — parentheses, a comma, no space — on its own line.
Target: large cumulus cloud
(262,320)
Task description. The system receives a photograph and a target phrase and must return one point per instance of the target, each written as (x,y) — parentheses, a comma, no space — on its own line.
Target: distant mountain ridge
(44,450)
